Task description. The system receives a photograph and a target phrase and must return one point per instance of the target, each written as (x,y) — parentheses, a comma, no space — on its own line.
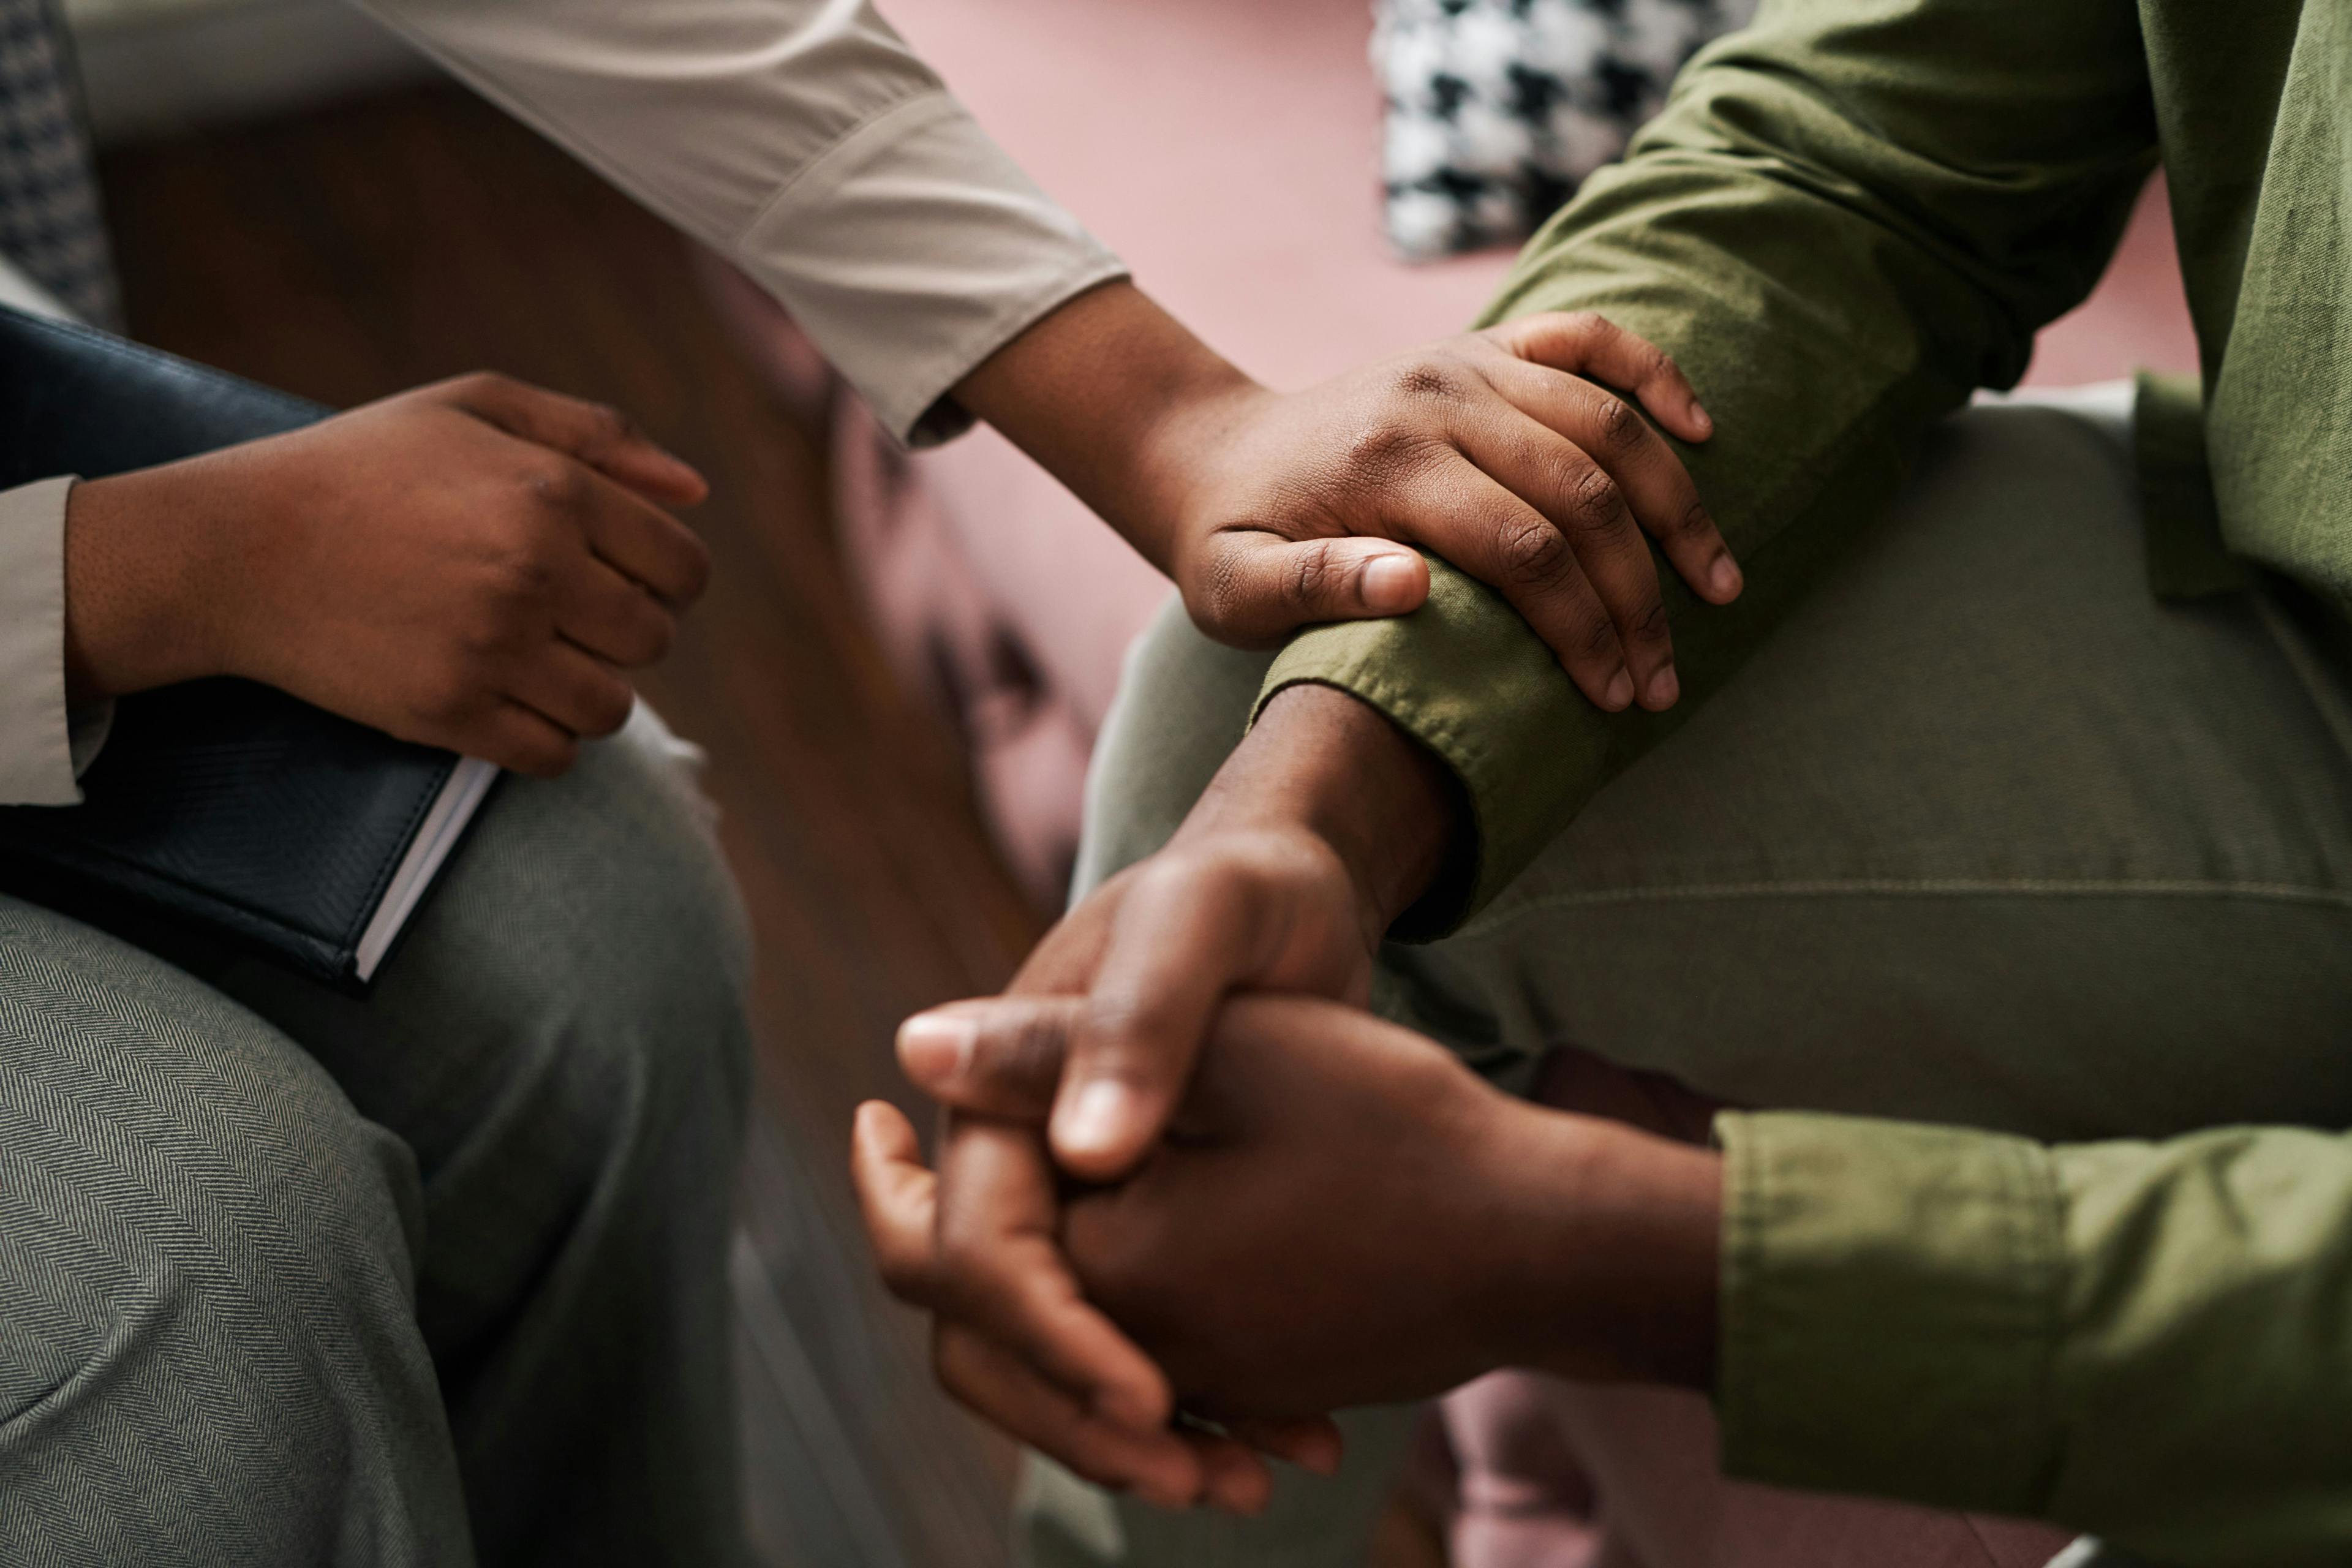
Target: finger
(1314,1445)
(1179,941)
(1266,586)
(603,437)
(897,1195)
(1000,1058)
(574,689)
(1497,538)
(522,740)
(645,543)
(1065,958)
(1001,1270)
(1162,1467)
(612,617)
(1588,510)
(1583,342)
(1657,487)
(1232,1476)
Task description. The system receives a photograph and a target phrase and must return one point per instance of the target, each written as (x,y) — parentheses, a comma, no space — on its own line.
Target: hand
(1325,822)
(472,564)
(1341,1215)
(1501,451)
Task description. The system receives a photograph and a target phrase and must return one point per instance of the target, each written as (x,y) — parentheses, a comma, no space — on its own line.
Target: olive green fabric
(1985,834)
(1850,215)
(2150,1339)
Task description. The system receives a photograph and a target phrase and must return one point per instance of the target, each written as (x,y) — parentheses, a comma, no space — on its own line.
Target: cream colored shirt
(800,139)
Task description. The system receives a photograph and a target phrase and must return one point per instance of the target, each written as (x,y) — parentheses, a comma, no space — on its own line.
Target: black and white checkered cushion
(49,224)
(1499,108)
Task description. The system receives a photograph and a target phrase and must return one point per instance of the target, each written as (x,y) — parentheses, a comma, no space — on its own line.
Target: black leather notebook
(220,806)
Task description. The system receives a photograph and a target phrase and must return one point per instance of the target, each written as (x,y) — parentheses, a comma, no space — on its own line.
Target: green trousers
(433,1278)
(1987,834)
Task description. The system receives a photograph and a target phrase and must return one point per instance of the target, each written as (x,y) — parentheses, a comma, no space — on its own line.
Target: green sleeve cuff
(1464,677)
(1890,1310)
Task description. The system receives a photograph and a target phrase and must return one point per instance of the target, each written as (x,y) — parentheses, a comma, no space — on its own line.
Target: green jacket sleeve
(1848,216)
(2150,1342)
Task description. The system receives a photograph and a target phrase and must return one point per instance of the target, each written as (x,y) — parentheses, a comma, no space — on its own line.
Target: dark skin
(1321,827)
(481,565)
(1242,1256)
(475,564)
(1505,451)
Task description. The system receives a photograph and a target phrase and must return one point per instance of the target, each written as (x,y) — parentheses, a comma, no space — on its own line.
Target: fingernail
(936,1047)
(1702,419)
(1391,584)
(1665,688)
(1619,692)
(1724,577)
(1092,1121)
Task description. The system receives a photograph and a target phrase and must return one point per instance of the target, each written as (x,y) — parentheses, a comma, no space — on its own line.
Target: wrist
(1603,1262)
(1321,761)
(140,608)
(1118,400)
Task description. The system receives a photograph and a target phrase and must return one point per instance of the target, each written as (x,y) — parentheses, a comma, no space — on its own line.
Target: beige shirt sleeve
(44,746)
(803,140)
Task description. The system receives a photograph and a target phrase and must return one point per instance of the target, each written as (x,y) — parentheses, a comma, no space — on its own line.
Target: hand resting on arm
(1504,452)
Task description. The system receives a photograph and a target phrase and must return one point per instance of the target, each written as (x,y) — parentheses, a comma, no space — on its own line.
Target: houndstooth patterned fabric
(1499,108)
(49,224)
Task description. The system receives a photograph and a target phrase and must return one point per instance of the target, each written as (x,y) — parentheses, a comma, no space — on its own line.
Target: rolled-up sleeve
(804,141)
(44,745)
(2150,1341)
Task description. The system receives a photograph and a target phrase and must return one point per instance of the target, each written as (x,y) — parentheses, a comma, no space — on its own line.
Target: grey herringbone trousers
(287,1277)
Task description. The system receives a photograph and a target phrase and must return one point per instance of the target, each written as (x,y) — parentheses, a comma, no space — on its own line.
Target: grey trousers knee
(432,1277)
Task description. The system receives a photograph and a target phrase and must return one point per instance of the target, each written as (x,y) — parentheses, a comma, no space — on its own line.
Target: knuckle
(1595,636)
(609,423)
(559,487)
(1594,501)
(1532,550)
(1424,379)
(1216,594)
(1314,575)
(483,383)
(1648,625)
(1383,451)
(1588,327)
(1615,424)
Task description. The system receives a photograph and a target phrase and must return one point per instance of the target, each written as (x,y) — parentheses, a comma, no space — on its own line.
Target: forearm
(1847,218)
(1108,394)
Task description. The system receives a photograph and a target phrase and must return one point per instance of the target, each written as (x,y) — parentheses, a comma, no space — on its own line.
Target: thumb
(1000,1057)
(1264,586)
